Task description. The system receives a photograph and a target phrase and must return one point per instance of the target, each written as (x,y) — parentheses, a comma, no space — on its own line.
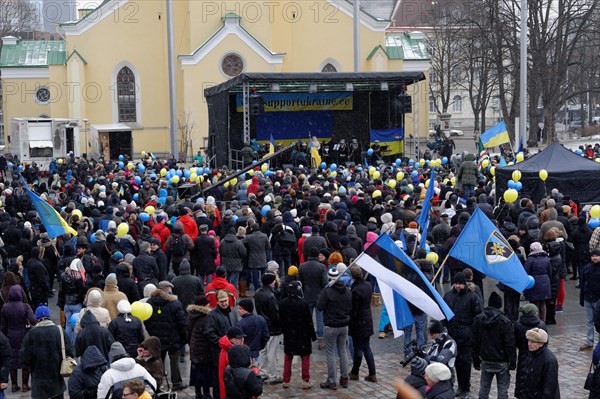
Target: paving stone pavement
(565,339)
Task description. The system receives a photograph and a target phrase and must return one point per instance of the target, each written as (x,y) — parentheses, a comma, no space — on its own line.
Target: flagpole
(440,269)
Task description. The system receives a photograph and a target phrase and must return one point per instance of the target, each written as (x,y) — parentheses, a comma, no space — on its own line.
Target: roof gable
(76,53)
(33,53)
(375,50)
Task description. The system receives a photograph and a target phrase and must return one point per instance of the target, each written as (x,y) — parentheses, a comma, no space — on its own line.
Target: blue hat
(117,255)
(42,311)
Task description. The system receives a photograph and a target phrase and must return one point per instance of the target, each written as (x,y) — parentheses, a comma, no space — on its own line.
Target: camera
(415,351)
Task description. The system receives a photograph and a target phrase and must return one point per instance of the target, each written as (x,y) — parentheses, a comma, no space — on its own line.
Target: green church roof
(33,54)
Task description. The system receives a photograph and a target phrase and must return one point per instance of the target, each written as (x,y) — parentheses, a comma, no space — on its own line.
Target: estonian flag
(271,145)
(54,223)
(481,246)
(400,280)
(423,220)
(495,136)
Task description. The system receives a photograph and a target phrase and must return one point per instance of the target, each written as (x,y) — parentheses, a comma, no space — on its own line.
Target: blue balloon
(264,210)
(427,248)
(234,218)
(73,319)
(410,161)
(518,186)
(444,160)
(93,238)
(20,168)
(332,167)
(207,170)
(162,192)
(162,200)
(579,152)
(511,184)
(253,162)
(141,168)
(137,179)
(187,174)
(427,162)
(360,169)
(121,157)
(144,217)
(370,151)
(135,196)
(179,173)
(121,165)
(323,165)
(530,282)
(414,173)
(153,175)
(593,223)
(10,165)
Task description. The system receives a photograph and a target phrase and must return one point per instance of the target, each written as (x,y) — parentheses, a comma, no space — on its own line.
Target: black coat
(71,289)
(581,243)
(493,338)
(129,331)
(187,287)
(39,281)
(257,244)
(217,324)
(297,326)
(126,284)
(240,381)
(336,304)
(466,305)
(590,281)
(203,255)
(145,267)
(92,334)
(196,325)
(361,319)
(525,323)
(257,332)
(538,266)
(267,306)
(167,321)
(233,252)
(313,276)
(538,377)
(83,383)
(441,390)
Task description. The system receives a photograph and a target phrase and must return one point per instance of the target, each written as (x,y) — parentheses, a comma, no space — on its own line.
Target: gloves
(477,366)
(512,366)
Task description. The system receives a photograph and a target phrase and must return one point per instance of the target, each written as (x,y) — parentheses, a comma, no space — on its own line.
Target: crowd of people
(260,268)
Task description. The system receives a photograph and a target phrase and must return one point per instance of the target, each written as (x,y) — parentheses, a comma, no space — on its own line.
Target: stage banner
(294,125)
(286,102)
(392,138)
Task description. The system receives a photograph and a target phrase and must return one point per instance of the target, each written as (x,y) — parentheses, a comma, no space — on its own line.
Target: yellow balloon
(251,172)
(175,179)
(543,174)
(193,170)
(485,163)
(60,161)
(193,177)
(147,311)
(226,184)
(264,167)
(200,179)
(597,160)
(493,171)
(372,170)
(427,183)
(520,157)
(141,310)
(122,229)
(421,162)
(453,181)
(376,194)
(422,194)
(432,257)
(595,211)
(511,195)
(143,154)
(376,175)
(234,181)
(130,165)
(392,183)
(438,163)
(149,210)
(77,213)
(333,174)
(516,175)
(411,187)
(399,175)
(510,163)
(163,172)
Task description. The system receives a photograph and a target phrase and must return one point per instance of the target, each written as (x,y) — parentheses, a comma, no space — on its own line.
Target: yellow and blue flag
(482,246)
(397,274)
(54,223)
(495,136)
(271,145)
(423,220)
(393,139)
(314,153)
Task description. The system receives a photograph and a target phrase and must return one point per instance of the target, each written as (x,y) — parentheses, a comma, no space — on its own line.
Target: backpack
(287,237)
(178,248)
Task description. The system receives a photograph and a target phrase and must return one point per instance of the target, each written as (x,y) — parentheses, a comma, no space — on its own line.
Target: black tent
(374,94)
(571,174)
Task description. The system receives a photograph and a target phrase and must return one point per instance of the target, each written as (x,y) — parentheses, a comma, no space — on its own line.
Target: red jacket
(225,345)
(162,232)
(190,227)
(220,283)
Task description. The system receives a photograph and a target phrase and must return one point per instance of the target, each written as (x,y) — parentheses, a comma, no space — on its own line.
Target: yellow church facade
(108,76)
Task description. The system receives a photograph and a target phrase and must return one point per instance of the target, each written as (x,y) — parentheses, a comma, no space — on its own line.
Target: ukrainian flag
(495,136)
(271,145)
(314,154)
(54,223)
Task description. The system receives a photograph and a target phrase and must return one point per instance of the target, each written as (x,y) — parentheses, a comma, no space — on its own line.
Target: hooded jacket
(152,364)
(196,334)
(122,370)
(186,286)
(93,301)
(240,381)
(466,305)
(336,303)
(92,334)
(167,321)
(83,383)
(267,306)
(129,331)
(493,338)
(232,253)
(126,284)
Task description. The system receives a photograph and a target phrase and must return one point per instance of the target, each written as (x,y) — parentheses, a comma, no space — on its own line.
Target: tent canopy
(568,172)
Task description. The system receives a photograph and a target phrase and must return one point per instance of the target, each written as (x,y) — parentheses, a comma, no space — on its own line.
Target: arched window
(457,104)
(329,68)
(431,105)
(126,95)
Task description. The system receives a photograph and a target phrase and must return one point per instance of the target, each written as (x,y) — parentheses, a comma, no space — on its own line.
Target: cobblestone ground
(565,339)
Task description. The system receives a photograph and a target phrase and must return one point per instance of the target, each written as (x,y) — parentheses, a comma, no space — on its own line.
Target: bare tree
(18,18)
(186,129)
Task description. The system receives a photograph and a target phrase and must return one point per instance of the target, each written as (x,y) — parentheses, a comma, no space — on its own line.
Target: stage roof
(324,81)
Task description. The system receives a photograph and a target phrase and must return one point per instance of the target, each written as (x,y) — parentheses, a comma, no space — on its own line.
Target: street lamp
(85,129)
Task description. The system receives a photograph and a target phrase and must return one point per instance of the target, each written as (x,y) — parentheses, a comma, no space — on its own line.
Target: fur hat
(246,304)
(495,300)
(460,278)
(438,372)
(537,335)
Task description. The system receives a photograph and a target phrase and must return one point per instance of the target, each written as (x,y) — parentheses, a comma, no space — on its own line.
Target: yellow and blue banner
(392,138)
(54,223)
(401,280)
(293,125)
(482,246)
(495,136)
(286,102)
(271,145)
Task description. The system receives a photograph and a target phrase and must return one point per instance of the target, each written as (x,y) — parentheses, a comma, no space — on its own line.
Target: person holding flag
(314,152)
